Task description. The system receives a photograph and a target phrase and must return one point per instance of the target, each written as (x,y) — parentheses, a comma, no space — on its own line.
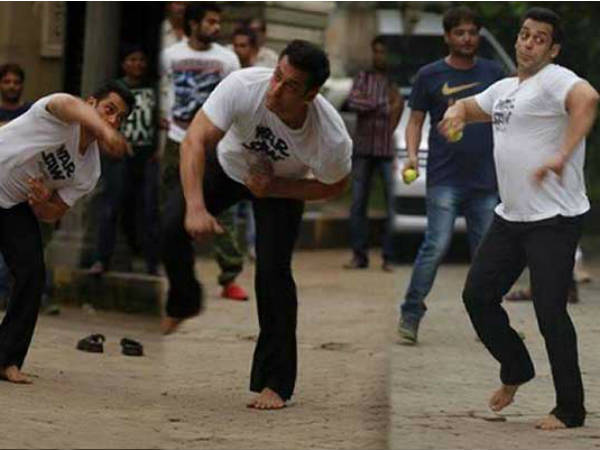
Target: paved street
(357,388)
(191,389)
(439,389)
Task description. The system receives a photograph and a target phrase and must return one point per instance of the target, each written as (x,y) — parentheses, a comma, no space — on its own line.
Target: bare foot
(14,375)
(267,399)
(503,397)
(550,422)
(169,325)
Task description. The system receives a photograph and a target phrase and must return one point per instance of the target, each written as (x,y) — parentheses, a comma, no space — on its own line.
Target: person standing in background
(130,184)
(461,177)
(266,56)
(375,98)
(194,68)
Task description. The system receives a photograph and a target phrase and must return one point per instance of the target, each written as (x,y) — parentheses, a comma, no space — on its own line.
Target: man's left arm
(306,189)
(47,205)
(581,105)
(262,183)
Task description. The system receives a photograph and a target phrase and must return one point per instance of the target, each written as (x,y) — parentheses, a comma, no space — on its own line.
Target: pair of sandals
(94,343)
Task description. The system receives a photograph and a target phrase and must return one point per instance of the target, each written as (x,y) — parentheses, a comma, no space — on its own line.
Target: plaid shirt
(370,98)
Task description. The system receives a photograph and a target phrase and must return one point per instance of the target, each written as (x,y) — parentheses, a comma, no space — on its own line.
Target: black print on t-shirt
(269,144)
(59,164)
(502,113)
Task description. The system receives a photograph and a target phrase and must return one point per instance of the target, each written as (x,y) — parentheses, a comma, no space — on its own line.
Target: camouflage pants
(226,249)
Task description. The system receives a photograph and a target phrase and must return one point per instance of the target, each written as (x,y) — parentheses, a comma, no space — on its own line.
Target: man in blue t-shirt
(461,177)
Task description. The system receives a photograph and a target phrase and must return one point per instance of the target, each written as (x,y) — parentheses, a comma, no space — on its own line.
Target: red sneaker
(234,292)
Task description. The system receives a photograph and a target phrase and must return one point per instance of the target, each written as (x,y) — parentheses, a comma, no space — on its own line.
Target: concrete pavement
(440,388)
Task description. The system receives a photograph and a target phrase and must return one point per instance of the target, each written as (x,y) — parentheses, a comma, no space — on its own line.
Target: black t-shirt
(468,163)
(140,126)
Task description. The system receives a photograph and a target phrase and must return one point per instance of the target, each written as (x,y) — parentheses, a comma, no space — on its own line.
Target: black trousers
(21,245)
(547,247)
(277,226)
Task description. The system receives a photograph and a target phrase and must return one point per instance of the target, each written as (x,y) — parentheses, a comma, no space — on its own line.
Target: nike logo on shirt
(447,90)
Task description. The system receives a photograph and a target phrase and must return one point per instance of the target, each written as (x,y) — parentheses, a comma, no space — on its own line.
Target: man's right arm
(202,136)
(464,111)
(360,99)
(70,109)
(414,130)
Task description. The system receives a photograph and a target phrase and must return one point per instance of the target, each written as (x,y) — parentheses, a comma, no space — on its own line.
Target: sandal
(130,347)
(94,343)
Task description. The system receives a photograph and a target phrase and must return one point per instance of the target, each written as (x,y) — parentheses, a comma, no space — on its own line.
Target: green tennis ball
(409,175)
(455,135)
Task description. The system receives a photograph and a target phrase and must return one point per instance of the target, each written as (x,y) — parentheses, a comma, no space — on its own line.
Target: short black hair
(14,69)
(548,16)
(453,17)
(378,40)
(244,31)
(196,11)
(118,88)
(310,59)
(128,48)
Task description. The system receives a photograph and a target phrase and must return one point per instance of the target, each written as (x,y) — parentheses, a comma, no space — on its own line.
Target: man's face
(135,65)
(112,109)
(379,57)
(208,29)
(463,40)
(11,87)
(243,48)
(176,10)
(287,88)
(257,27)
(534,47)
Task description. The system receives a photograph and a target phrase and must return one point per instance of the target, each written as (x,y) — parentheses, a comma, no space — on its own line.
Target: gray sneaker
(408,330)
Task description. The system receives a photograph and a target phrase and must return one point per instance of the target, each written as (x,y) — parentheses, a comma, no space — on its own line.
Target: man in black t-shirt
(12,78)
(461,178)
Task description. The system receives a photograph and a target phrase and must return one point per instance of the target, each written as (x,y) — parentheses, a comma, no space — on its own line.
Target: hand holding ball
(454,135)
(409,175)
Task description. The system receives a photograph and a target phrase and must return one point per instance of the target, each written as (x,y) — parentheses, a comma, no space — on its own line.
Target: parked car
(408,52)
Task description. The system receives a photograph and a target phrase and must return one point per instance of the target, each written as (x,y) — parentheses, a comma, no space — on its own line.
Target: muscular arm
(201,136)
(51,210)
(306,189)
(461,113)
(71,109)
(581,105)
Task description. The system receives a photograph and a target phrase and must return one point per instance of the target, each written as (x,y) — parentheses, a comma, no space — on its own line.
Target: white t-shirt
(193,75)
(38,144)
(255,134)
(529,121)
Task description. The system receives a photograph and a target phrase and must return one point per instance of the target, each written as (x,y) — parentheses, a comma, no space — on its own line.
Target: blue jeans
(362,173)
(444,204)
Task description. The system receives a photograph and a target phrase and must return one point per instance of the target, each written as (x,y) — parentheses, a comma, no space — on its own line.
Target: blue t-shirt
(468,163)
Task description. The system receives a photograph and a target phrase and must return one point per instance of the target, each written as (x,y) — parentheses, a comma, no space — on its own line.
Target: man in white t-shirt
(540,120)
(48,159)
(195,66)
(257,137)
